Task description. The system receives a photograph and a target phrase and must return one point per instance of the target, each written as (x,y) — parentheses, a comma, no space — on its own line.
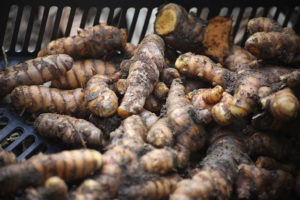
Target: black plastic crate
(43,19)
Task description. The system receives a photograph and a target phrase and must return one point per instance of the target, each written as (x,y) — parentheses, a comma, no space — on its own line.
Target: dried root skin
(81,72)
(180,30)
(101,100)
(187,133)
(253,182)
(283,104)
(159,188)
(41,99)
(273,46)
(68,165)
(54,188)
(7,158)
(145,65)
(202,67)
(93,42)
(34,72)
(272,164)
(69,129)
(263,24)
(216,178)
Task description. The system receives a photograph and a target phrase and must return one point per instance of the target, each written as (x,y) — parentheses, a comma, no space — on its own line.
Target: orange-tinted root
(101,100)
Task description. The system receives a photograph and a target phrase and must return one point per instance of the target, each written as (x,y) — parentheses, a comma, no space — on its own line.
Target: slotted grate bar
(146,24)
(29,29)
(70,21)
(42,30)
(28,151)
(16,29)
(133,24)
(56,23)
(97,16)
(17,123)
(84,18)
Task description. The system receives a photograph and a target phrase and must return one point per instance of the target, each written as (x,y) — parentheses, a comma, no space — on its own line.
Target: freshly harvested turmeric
(70,130)
(41,99)
(94,42)
(185,32)
(244,79)
(274,46)
(283,104)
(215,179)
(216,101)
(187,132)
(34,72)
(179,129)
(160,134)
(263,24)
(68,165)
(119,161)
(164,160)
(161,90)
(168,74)
(206,98)
(101,100)
(81,72)
(145,65)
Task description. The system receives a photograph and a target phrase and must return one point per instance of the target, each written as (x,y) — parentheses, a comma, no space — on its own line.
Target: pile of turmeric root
(185,115)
